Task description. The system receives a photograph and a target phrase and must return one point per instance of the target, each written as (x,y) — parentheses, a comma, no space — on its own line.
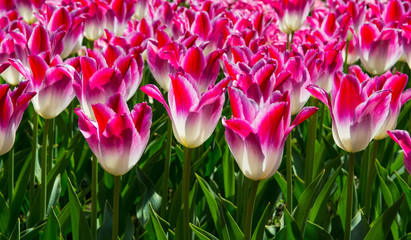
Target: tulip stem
(310,151)
(347,44)
(116,200)
(246,190)
(94,186)
(350,184)
(167,167)
(186,188)
(370,179)
(33,157)
(289,174)
(43,196)
(288,41)
(250,210)
(11,174)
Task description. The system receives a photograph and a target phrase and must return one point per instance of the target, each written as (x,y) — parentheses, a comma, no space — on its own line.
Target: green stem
(311,136)
(370,179)
(167,167)
(350,184)
(116,200)
(11,174)
(289,174)
(250,210)
(347,44)
(292,40)
(288,41)
(240,196)
(33,157)
(51,137)
(94,186)
(43,196)
(70,119)
(186,189)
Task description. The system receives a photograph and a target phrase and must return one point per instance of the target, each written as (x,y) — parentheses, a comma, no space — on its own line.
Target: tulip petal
(38,67)
(153,91)
(194,62)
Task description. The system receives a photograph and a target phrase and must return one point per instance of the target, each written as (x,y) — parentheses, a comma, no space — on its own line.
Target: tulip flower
(378,49)
(12,105)
(95,22)
(27,8)
(292,14)
(194,115)
(403,139)
(118,137)
(117,16)
(396,84)
(53,84)
(257,132)
(356,117)
(96,85)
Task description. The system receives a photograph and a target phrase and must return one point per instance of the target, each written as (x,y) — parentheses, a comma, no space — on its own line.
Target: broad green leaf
(315,232)
(52,230)
(159,232)
(291,230)
(54,194)
(382,225)
(104,232)
(306,201)
(32,233)
(4,213)
(19,192)
(405,188)
(149,197)
(359,226)
(233,228)
(323,198)
(202,234)
(282,183)
(406,237)
(214,208)
(259,229)
(15,234)
(228,174)
(79,223)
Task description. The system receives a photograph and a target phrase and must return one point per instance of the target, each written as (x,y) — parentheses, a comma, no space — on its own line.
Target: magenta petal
(88,67)
(88,129)
(102,113)
(142,116)
(403,139)
(118,104)
(38,67)
(201,25)
(182,96)
(406,95)
(194,62)
(210,72)
(241,106)
(39,40)
(153,91)
(239,126)
(303,115)
(320,94)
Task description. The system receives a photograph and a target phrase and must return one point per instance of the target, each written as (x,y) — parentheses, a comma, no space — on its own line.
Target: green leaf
(382,225)
(315,232)
(405,188)
(290,231)
(4,213)
(214,208)
(233,228)
(160,234)
(149,197)
(104,232)
(282,183)
(306,201)
(259,229)
(15,234)
(359,226)
(79,223)
(202,234)
(55,193)
(52,230)
(320,203)
(32,233)
(228,174)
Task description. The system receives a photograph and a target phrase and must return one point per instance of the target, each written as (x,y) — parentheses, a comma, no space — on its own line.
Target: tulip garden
(231,119)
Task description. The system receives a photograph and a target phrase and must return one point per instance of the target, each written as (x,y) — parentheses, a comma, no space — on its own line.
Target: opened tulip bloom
(257,132)
(292,14)
(194,115)
(53,84)
(356,117)
(12,105)
(118,137)
(403,139)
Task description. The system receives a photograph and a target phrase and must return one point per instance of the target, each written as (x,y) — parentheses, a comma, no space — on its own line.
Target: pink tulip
(194,114)
(292,14)
(95,21)
(378,49)
(117,16)
(97,84)
(118,137)
(27,8)
(407,43)
(403,139)
(356,117)
(257,132)
(52,81)
(12,105)
(396,84)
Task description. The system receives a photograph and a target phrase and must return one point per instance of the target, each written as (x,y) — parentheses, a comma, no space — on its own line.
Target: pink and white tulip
(257,132)
(194,115)
(118,137)
(12,106)
(356,117)
(403,139)
(378,49)
(292,14)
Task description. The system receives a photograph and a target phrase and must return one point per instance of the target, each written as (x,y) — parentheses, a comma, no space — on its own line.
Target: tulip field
(205,119)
